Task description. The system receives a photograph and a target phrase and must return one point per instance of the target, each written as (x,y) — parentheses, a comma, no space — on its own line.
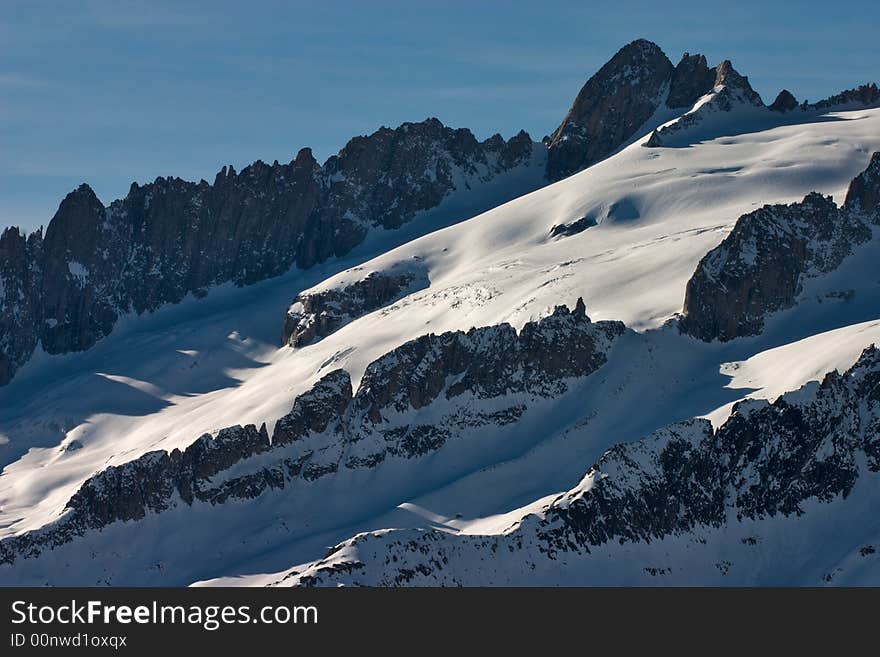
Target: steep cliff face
(691,79)
(863,195)
(316,314)
(171,238)
(20,276)
(865,95)
(784,102)
(730,92)
(434,390)
(681,504)
(761,266)
(609,108)
(619,99)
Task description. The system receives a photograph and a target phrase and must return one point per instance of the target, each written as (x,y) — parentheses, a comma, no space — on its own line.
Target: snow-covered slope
(780,494)
(160,382)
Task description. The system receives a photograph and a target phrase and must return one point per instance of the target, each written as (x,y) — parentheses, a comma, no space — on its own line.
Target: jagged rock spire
(171,237)
(610,107)
(736,85)
(864,191)
(785,102)
(691,79)
(618,100)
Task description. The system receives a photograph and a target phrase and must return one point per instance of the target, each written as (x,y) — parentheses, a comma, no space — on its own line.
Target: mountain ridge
(170,238)
(66,291)
(430,397)
(767,461)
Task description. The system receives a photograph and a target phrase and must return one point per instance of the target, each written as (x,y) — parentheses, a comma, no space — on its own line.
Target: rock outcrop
(171,238)
(730,91)
(785,102)
(863,195)
(411,402)
(575,227)
(682,484)
(865,95)
(691,80)
(316,314)
(20,279)
(619,99)
(761,266)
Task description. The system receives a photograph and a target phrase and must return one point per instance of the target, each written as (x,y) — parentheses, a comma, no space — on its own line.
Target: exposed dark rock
(691,80)
(171,238)
(761,266)
(864,95)
(575,227)
(314,411)
(730,91)
(863,195)
(20,276)
(654,140)
(785,102)
(767,460)
(315,315)
(610,107)
(329,429)
(487,362)
(736,87)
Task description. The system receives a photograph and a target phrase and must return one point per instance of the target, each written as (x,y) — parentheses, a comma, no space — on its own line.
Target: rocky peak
(691,79)
(316,314)
(12,243)
(305,159)
(730,91)
(865,95)
(761,266)
(610,107)
(785,102)
(171,237)
(79,212)
(864,191)
(19,278)
(736,86)
(453,387)
(716,492)
(624,94)
(391,174)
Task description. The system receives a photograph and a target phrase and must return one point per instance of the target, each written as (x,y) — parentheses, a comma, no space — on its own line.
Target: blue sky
(110,92)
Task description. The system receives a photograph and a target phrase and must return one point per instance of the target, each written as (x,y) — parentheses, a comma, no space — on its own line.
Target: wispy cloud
(15,80)
(122,16)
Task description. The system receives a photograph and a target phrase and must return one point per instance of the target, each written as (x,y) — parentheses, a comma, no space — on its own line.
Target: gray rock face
(488,362)
(731,91)
(736,88)
(171,237)
(575,227)
(761,266)
(766,461)
(691,80)
(785,102)
(619,99)
(410,403)
(610,107)
(20,276)
(315,315)
(865,95)
(863,195)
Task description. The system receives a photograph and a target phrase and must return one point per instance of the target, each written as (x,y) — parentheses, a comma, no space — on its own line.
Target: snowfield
(160,381)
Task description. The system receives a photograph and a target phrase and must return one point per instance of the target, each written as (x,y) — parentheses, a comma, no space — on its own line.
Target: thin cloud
(15,80)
